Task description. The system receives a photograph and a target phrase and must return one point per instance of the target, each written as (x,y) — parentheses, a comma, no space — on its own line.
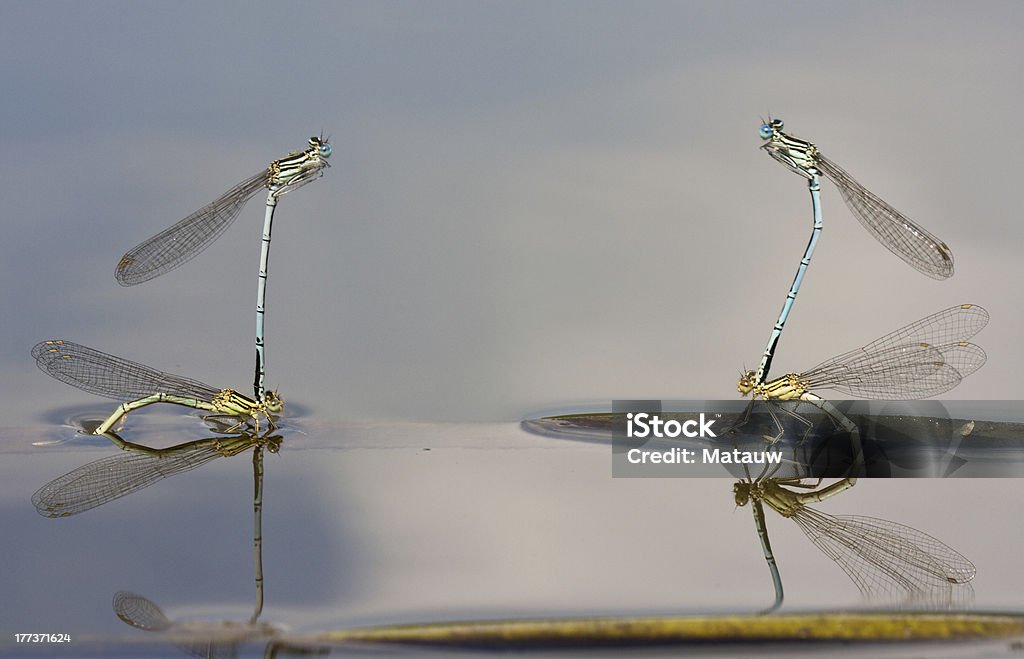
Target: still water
(388,522)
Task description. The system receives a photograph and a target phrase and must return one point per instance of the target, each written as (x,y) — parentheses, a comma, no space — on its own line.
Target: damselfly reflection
(105,375)
(110,478)
(199,639)
(208,639)
(886,560)
(116,476)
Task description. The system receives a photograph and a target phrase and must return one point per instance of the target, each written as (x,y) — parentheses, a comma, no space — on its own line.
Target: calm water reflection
(387,522)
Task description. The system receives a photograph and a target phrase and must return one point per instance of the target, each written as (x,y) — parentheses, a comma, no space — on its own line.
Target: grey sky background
(531,205)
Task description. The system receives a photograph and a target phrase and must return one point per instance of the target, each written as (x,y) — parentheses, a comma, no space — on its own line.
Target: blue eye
(766,131)
(325,150)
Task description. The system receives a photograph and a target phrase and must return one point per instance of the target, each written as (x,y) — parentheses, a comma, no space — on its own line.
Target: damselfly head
(769,127)
(272,402)
(741,493)
(746,383)
(272,443)
(321,146)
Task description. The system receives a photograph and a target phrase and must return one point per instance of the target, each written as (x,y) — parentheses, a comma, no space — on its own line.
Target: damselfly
(899,234)
(174,246)
(105,375)
(884,559)
(920,360)
(895,231)
(183,241)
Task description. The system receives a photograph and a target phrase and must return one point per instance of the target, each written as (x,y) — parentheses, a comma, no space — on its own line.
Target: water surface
(390,522)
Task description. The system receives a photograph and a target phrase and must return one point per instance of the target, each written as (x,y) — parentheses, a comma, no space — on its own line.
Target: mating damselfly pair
(895,231)
(137,385)
(174,246)
(923,359)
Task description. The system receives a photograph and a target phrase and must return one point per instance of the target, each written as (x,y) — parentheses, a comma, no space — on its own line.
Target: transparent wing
(957,323)
(113,477)
(901,373)
(140,612)
(105,375)
(181,242)
(898,233)
(890,561)
(922,359)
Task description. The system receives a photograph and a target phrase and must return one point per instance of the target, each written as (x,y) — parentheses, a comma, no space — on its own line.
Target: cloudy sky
(531,205)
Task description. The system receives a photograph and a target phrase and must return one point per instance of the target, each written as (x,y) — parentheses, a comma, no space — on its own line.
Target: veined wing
(140,612)
(890,561)
(909,372)
(105,375)
(177,244)
(897,232)
(116,476)
(923,359)
(951,325)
